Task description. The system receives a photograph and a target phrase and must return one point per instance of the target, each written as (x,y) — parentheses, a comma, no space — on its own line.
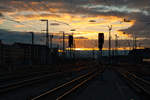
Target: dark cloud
(11,37)
(73,6)
(128,3)
(141,27)
(140,10)
(80,38)
(1,15)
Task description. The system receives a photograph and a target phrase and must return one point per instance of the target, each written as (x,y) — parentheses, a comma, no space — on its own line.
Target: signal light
(70,41)
(100,40)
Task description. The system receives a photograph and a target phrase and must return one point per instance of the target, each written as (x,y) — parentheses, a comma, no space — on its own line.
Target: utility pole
(110,28)
(135,43)
(116,45)
(32,37)
(32,50)
(47,39)
(72,44)
(63,37)
(130,48)
(51,41)
(93,54)
(63,41)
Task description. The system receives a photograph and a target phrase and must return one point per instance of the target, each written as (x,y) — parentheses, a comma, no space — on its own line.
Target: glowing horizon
(96,49)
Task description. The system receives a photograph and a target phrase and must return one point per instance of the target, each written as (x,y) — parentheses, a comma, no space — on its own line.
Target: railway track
(16,78)
(62,91)
(22,76)
(18,84)
(139,84)
(31,80)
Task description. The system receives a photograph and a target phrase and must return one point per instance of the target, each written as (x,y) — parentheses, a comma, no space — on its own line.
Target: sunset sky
(87,17)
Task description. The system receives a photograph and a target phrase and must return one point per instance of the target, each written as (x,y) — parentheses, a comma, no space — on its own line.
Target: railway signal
(100,40)
(70,42)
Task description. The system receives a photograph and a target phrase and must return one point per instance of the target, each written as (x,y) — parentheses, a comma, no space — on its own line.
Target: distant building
(26,54)
(34,54)
(144,53)
(139,55)
(12,55)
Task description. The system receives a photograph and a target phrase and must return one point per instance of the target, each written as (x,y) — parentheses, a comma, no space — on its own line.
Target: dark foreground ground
(108,85)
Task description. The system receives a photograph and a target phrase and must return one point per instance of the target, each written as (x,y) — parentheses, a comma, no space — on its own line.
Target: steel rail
(87,77)
(137,81)
(14,85)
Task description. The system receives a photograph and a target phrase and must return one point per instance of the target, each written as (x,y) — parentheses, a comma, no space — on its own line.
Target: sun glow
(91,49)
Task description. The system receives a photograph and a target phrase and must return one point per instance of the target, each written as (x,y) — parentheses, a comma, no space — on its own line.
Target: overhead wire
(31,26)
(18,22)
(11,18)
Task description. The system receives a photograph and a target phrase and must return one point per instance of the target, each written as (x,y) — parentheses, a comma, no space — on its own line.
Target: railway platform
(108,86)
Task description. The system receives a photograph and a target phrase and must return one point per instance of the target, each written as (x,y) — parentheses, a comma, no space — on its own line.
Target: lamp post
(32,37)
(32,51)
(63,37)
(134,41)
(58,23)
(63,41)
(116,44)
(51,41)
(47,40)
(47,36)
(51,36)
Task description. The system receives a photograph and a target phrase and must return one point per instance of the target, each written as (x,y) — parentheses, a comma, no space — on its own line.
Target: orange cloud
(18,26)
(36,6)
(82,25)
(1,21)
(123,34)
